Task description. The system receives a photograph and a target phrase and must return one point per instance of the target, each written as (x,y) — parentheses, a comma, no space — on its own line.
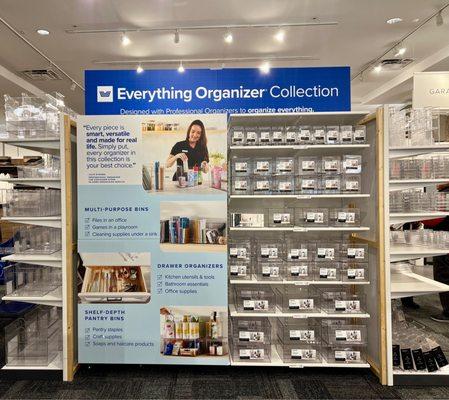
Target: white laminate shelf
(403,252)
(54,183)
(402,218)
(50,260)
(47,300)
(300,196)
(55,365)
(279,313)
(410,151)
(305,229)
(406,284)
(52,222)
(402,184)
(41,145)
(303,147)
(254,281)
(441,372)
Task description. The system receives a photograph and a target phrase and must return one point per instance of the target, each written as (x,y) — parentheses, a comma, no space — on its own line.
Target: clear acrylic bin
(336,300)
(319,134)
(351,184)
(239,250)
(251,136)
(251,299)
(332,135)
(299,352)
(240,269)
(262,166)
(331,165)
(327,251)
(299,251)
(241,185)
(300,271)
(29,239)
(308,184)
(305,135)
(349,354)
(284,166)
(265,136)
(237,136)
(261,184)
(272,250)
(241,166)
(32,203)
(297,330)
(330,184)
(269,271)
(308,165)
(291,135)
(346,134)
(253,352)
(346,334)
(298,299)
(328,271)
(254,330)
(312,217)
(344,217)
(352,164)
(278,136)
(51,168)
(354,252)
(284,185)
(281,217)
(359,134)
(355,271)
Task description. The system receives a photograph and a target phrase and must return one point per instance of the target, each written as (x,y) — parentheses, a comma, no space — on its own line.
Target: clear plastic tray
(328,271)
(261,184)
(300,271)
(239,250)
(272,250)
(237,136)
(327,251)
(298,299)
(308,165)
(354,271)
(331,165)
(265,136)
(344,217)
(250,299)
(29,239)
(308,184)
(319,134)
(312,217)
(254,330)
(240,269)
(262,166)
(251,352)
(241,185)
(284,166)
(284,185)
(351,184)
(347,334)
(32,202)
(278,135)
(281,217)
(241,166)
(332,135)
(342,300)
(299,352)
(346,134)
(298,331)
(305,135)
(330,184)
(345,354)
(291,135)
(354,252)
(251,136)
(352,164)
(359,134)
(299,251)
(269,271)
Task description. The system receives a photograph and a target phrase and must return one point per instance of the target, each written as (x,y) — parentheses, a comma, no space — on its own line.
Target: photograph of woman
(192,150)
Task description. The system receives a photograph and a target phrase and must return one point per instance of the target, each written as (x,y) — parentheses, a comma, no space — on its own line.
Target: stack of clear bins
(251,339)
(32,203)
(343,342)
(298,341)
(239,260)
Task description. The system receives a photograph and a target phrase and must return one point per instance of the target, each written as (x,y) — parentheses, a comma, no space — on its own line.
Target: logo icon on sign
(105,94)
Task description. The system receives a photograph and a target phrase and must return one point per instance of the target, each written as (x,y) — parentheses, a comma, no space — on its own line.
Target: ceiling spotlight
(73,86)
(265,67)
(415,20)
(43,32)
(439,19)
(378,68)
(176,37)
(139,69)
(181,68)
(394,20)
(228,38)
(125,40)
(280,35)
(400,51)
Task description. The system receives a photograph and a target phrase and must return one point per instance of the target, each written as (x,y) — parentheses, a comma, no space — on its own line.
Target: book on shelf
(182,230)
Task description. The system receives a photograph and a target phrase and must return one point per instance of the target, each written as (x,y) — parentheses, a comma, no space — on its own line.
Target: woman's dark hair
(202,142)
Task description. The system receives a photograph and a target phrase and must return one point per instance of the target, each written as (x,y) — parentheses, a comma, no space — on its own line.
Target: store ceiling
(360,36)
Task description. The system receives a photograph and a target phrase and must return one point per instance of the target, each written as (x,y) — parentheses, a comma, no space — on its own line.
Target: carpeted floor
(156,382)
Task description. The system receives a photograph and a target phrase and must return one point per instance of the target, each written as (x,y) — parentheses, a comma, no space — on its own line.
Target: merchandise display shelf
(403,184)
(193,248)
(276,361)
(401,218)
(300,196)
(303,147)
(49,145)
(406,284)
(54,183)
(402,253)
(52,222)
(442,372)
(254,281)
(279,313)
(402,152)
(50,260)
(54,299)
(305,229)
(55,365)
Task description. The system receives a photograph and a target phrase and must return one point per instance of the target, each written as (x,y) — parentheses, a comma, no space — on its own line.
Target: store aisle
(171,382)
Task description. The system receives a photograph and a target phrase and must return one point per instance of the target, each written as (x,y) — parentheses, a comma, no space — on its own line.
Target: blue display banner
(204,91)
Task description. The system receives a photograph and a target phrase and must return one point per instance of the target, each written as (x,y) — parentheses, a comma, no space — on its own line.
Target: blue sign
(282,90)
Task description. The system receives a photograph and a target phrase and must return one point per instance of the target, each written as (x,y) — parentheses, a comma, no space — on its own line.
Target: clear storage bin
(237,136)
(312,216)
(269,271)
(240,269)
(51,168)
(359,135)
(308,165)
(328,271)
(299,352)
(284,165)
(262,166)
(241,185)
(241,166)
(351,184)
(346,134)
(300,271)
(319,134)
(239,250)
(253,352)
(294,331)
(254,300)
(330,184)
(291,135)
(327,251)
(297,251)
(305,135)
(32,203)
(344,217)
(355,271)
(298,299)
(281,217)
(337,300)
(284,185)
(278,136)
(251,136)
(355,252)
(270,250)
(352,164)
(332,135)
(247,220)
(308,184)
(261,184)
(331,165)
(350,354)
(336,334)
(254,330)
(265,136)
(30,239)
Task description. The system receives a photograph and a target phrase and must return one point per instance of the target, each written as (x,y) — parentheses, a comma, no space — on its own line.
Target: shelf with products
(50,145)
(302,147)
(302,196)
(51,260)
(255,281)
(402,184)
(410,151)
(403,252)
(54,183)
(402,218)
(301,229)
(53,222)
(47,300)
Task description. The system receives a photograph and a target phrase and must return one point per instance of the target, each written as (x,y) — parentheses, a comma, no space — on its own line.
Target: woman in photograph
(193,149)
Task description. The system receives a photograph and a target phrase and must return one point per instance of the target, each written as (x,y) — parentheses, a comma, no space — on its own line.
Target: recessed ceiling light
(125,40)
(378,68)
(394,20)
(280,35)
(228,38)
(43,32)
(139,69)
(181,68)
(400,51)
(265,67)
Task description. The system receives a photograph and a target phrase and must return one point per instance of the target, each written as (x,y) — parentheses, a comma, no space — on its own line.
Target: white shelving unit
(365,198)
(62,297)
